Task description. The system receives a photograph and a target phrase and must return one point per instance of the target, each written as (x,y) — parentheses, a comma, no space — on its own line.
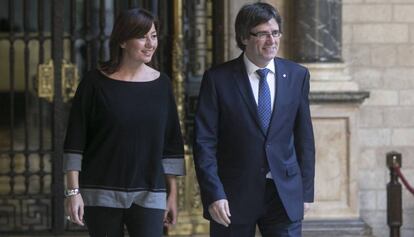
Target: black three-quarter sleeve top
(123,137)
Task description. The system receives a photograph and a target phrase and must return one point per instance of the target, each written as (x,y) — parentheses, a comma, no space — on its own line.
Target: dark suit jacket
(232,154)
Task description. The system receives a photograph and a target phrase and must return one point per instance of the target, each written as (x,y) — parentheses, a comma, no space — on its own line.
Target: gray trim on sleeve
(174,166)
(72,161)
(121,199)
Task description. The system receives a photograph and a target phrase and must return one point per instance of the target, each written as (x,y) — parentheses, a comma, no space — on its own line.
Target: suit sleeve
(205,143)
(305,143)
(173,153)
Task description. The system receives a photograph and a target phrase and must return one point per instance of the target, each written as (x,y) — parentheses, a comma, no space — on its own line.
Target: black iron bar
(57,116)
(26,32)
(87,33)
(11,89)
(40,22)
(73,35)
(102,23)
(394,197)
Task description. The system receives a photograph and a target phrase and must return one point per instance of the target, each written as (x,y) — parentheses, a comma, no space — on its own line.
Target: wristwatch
(71,192)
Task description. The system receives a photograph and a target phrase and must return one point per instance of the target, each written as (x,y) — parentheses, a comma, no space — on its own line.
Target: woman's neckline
(123,81)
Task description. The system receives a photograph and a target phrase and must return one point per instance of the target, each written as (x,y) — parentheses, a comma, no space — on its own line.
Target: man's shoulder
(226,67)
(290,64)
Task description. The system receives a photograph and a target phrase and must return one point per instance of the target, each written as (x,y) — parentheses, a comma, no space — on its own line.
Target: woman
(123,146)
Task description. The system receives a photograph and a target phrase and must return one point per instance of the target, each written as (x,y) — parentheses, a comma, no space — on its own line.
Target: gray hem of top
(120,199)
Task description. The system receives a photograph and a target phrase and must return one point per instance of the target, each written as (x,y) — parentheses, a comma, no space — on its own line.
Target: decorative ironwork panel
(193,61)
(33,32)
(25,119)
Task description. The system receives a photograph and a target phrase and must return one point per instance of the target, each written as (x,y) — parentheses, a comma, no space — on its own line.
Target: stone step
(328,228)
(311,228)
(337,228)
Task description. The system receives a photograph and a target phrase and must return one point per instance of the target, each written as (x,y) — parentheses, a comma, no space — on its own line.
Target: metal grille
(25,120)
(198,27)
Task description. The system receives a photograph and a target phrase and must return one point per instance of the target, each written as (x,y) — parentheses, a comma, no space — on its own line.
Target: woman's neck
(135,72)
(128,72)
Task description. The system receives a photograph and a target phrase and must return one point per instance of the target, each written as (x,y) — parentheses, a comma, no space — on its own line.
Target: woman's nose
(150,42)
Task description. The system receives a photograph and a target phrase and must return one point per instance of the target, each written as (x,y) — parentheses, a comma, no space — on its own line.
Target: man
(254,147)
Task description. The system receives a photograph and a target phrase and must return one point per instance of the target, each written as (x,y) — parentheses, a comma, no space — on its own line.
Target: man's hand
(220,212)
(306,206)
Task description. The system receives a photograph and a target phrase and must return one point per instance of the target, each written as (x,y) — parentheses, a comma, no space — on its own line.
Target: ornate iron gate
(62,37)
(26,126)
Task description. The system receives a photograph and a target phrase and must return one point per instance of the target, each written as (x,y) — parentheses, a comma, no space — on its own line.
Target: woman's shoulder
(92,75)
(164,76)
(89,79)
(165,79)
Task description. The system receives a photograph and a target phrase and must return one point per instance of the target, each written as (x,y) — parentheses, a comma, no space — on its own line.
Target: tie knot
(263,73)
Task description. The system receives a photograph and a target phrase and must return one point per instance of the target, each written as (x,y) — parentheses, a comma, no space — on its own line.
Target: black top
(124,131)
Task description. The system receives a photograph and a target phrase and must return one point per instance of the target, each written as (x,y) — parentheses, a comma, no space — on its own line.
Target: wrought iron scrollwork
(46,80)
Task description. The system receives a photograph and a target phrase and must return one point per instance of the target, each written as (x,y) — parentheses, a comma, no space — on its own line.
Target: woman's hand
(170,215)
(74,204)
(74,209)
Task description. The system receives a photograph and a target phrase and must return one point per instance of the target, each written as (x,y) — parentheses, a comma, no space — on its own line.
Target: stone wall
(378,47)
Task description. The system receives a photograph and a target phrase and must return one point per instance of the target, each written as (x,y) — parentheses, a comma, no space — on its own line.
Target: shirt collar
(252,68)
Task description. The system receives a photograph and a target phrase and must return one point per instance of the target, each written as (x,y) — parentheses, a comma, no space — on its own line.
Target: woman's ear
(122,45)
(244,41)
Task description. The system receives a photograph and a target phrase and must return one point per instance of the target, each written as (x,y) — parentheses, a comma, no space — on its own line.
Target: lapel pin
(284,75)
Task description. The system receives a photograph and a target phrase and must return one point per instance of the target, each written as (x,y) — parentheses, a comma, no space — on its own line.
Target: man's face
(261,46)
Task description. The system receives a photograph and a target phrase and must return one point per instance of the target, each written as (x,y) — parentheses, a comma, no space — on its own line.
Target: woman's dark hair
(129,24)
(251,15)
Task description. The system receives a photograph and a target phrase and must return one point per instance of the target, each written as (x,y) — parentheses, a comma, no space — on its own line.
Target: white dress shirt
(254,79)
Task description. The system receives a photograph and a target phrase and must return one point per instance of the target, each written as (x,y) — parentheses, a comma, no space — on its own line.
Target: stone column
(318,31)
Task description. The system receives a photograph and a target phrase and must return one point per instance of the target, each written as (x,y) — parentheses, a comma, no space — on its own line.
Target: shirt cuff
(72,161)
(174,166)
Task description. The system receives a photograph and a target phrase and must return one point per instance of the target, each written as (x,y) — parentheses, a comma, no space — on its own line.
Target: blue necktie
(264,105)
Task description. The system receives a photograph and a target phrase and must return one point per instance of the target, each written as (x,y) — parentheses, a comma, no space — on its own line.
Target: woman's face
(141,49)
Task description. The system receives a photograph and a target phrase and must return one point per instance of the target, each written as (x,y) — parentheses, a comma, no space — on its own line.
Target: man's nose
(270,38)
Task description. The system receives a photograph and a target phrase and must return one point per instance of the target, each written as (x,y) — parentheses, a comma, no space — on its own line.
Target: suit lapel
(281,88)
(245,89)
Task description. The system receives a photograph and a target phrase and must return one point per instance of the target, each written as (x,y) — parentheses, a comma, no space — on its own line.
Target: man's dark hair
(251,15)
(129,24)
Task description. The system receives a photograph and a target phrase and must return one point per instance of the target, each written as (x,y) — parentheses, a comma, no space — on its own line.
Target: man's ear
(122,45)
